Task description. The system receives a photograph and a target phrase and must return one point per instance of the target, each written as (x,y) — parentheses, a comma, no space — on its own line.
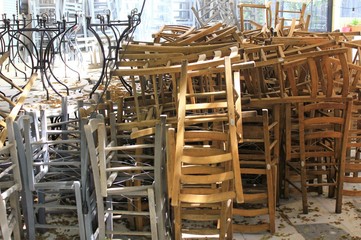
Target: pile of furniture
(216,124)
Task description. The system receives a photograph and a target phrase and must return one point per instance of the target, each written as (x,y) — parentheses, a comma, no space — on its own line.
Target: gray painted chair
(50,167)
(10,188)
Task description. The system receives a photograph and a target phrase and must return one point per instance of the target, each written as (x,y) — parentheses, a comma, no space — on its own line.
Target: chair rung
(53,226)
(205,94)
(201,217)
(253,171)
(197,106)
(128,213)
(47,206)
(250,212)
(130,168)
(201,231)
(250,228)
(128,233)
(320,184)
(352,179)
(209,198)
(253,197)
(353,193)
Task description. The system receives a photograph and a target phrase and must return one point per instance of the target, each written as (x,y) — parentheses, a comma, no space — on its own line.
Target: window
(350,8)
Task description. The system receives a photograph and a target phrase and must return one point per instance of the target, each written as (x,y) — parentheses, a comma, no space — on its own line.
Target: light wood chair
(205,156)
(243,7)
(319,73)
(169,33)
(266,78)
(322,138)
(352,177)
(290,20)
(259,158)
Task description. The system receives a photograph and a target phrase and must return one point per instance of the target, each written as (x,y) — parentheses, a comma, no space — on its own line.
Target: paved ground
(320,223)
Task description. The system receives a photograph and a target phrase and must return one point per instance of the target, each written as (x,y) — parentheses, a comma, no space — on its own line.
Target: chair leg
(78,198)
(101,219)
(109,216)
(177,223)
(152,214)
(29,216)
(15,204)
(271,199)
(304,187)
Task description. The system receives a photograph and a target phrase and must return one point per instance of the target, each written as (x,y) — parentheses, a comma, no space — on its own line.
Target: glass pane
(318,9)
(319,15)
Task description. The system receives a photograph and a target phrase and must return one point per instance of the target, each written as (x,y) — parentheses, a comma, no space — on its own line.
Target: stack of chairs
(287,21)
(259,159)
(169,33)
(11,223)
(252,29)
(204,158)
(266,79)
(53,167)
(125,173)
(319,83)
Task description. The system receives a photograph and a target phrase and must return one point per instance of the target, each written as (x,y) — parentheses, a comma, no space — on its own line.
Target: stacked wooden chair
(252,29)
(323,150)
(352,166)
(266,79)
(170,33)
(288,21)
(243,7)
(259,158)
(204,156)
(352,162)
(10,189)
(315,155)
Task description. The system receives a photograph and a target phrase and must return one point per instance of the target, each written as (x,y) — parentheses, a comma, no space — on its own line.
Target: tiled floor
(320,223)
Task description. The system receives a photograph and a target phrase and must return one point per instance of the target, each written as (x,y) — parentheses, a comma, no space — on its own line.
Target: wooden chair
(291,20)
(197,36)
(243,7)
(266,79)
(125,133)
(205,175)
(10,188)
(159,57)
(318,73)
(153,92)
(16,104)
(322,138)
(117,167)
(170,33)
(352,177)
(259,157)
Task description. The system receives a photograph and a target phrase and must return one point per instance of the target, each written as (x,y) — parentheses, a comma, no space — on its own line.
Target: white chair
(125,175)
